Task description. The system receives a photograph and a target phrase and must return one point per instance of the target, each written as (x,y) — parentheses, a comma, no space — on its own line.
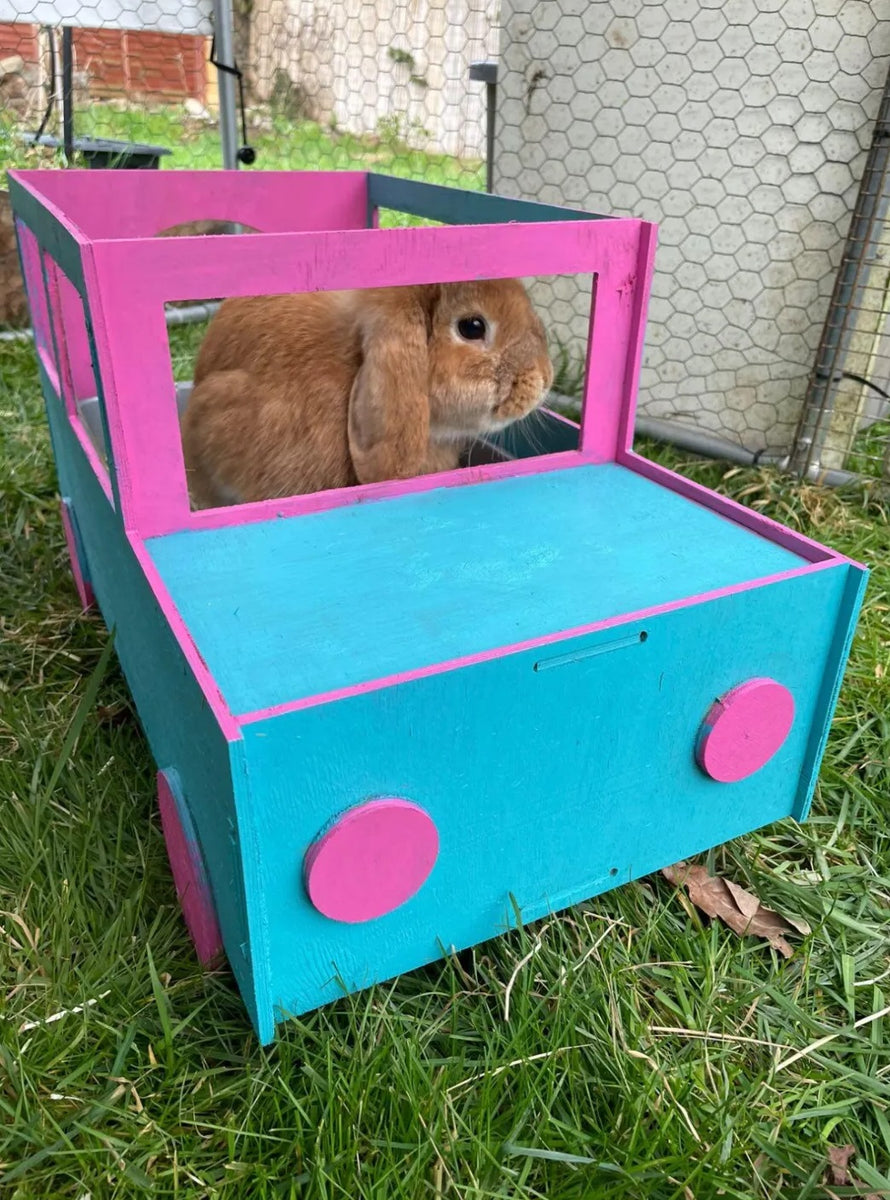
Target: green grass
(286,145)
(642,1054)
(870,453)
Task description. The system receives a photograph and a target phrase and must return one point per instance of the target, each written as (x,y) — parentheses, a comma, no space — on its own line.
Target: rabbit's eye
(472,329)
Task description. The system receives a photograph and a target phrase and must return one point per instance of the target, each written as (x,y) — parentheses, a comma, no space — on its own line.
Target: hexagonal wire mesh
(741,127)
(845,423)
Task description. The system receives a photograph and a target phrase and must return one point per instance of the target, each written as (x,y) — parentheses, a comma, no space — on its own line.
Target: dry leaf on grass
(740,910)
(838,1157)
(838,1175)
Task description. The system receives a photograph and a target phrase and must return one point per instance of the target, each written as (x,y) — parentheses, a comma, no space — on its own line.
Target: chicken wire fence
(744,128)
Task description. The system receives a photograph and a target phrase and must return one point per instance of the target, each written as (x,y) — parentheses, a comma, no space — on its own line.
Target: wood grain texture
(539,784)
(294,607)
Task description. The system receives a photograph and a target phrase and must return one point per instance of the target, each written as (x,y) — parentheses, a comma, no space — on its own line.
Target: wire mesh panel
(381,83)
(376,80)
(845,423)
(742,128)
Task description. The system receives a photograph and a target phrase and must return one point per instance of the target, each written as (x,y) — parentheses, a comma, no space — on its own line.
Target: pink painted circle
(187,865)
(744,729)
(377,856)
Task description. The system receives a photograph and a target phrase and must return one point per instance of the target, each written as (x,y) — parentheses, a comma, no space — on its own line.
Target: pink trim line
(469,660)
(47,361)
(224,717)
(558,416)
(292,506)
(797,543)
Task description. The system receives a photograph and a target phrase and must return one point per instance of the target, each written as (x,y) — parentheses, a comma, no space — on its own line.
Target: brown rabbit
(322,390)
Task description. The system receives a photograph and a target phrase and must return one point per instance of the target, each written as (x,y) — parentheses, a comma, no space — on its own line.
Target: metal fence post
(865,231)
(68,93)
(487,73)
(223,27)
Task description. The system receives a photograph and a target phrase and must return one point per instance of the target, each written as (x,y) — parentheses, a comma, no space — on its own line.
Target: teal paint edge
(48,230)
(829,693)
(460,206)
(253,895)
(180,729)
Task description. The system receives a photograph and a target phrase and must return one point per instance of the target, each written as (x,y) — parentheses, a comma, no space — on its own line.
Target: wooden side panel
(181,730)
(547,785)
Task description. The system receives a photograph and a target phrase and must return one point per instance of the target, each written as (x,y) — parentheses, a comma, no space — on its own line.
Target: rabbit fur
(301,393)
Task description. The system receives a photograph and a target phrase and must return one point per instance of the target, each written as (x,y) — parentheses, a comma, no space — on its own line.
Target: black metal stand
(96,152)
(68,91)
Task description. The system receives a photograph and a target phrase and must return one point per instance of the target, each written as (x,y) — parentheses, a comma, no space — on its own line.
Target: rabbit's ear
(389,417)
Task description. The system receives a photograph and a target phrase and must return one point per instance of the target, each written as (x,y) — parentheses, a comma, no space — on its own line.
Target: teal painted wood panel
(548,785)
(290,608)
(180,729)
(51,232)
(458,206)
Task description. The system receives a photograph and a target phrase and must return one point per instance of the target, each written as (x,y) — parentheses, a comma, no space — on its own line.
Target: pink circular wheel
(76,556)
(373,859)
(187,865)
(744,729)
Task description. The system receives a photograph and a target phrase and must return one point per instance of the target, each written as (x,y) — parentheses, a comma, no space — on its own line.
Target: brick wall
(160,66)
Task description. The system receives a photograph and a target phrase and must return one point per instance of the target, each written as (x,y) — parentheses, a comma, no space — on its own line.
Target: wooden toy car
(389,718)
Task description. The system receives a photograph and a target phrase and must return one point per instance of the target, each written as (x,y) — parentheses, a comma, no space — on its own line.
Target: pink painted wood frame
(142,205)
(131,333)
